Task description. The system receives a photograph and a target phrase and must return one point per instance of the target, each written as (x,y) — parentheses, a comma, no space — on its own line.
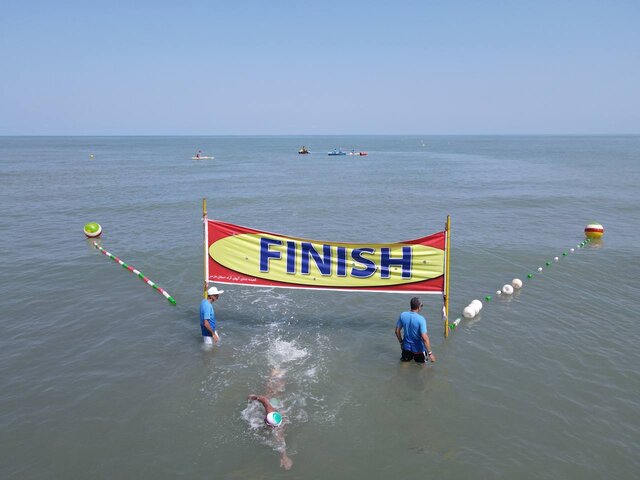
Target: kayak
(202,157)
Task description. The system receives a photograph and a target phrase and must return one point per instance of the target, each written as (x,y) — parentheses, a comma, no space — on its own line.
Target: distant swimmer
(208,316)
(415,344)
(273,418)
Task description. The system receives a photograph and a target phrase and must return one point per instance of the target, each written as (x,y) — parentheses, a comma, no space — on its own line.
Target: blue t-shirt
(206,313)
(413,326)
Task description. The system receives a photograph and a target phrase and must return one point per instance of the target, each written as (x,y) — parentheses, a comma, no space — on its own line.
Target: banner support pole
(204,232)
(447,270)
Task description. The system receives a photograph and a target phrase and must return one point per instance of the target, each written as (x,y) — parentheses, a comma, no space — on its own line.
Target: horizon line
(332,135)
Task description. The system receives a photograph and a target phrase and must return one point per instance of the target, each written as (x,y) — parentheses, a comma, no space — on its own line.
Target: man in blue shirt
(415,344)
(208,317)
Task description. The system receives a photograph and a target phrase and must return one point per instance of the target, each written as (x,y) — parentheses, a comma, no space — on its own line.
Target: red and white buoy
(593,231)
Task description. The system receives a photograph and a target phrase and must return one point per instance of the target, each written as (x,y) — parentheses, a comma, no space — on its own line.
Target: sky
(319,68)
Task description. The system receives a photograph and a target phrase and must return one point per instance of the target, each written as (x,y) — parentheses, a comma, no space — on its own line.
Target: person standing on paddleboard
(415,343)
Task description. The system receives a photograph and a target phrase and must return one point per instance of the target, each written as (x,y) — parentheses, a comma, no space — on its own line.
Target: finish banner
(244,256)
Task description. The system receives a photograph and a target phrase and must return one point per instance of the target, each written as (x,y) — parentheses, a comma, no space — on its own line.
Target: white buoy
(516,283)
(498,292)
(572,250)
(539,269)
(469,312)
(555,259)
(507,289)
(477,304)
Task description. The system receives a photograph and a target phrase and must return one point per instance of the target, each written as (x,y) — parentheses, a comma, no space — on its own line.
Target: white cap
(274,419)
(214,291)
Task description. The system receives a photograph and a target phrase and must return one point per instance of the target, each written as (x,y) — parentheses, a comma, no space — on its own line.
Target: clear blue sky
(322,67)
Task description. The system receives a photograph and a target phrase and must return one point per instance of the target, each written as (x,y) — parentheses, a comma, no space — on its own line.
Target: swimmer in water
(273,418)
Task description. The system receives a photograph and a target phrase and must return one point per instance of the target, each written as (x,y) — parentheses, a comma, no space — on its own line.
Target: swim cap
(274,419)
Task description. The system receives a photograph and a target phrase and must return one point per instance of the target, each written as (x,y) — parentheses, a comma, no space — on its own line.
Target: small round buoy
(539,269)
(516,283)
(92,229)
(572,250)
(530,275)
(469,312)
(487,298)
(91,156)
(555,259)
(593,230)
(507,289)
(498,292)
(477,304)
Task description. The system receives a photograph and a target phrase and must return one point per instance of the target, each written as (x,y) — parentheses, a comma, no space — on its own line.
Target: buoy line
(136,272)
(592,231)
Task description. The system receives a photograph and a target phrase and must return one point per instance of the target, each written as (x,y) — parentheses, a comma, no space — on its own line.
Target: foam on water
(281,352)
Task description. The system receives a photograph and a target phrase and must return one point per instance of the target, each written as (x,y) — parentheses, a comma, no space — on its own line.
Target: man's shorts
(408,355)
(205,331)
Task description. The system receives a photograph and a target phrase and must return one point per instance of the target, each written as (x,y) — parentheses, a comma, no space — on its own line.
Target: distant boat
(337,152)
(358,154)
(303,151)
(200,156)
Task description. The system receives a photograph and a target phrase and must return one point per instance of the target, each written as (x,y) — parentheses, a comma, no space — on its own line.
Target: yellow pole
(204,240)
(446,277)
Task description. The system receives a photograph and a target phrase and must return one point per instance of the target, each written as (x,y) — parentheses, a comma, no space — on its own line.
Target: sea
(102,378)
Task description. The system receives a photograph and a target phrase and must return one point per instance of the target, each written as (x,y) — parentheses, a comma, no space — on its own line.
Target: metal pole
(206,263)
(446,277)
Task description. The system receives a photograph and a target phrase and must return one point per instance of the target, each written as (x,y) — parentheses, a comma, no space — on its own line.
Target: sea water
(100,377)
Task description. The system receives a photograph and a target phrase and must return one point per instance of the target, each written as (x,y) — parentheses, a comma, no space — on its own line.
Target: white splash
(281,352)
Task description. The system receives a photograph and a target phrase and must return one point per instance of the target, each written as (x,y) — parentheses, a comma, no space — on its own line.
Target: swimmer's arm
(285,460)
(264,401)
